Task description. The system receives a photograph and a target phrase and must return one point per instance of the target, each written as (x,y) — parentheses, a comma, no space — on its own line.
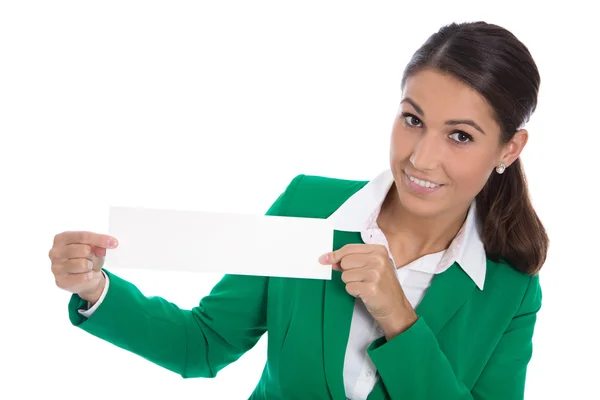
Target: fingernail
(324,258)
(112,243)
(90,276)
(90,264)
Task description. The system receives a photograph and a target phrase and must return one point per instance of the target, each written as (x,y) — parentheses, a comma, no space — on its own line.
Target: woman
(435,289)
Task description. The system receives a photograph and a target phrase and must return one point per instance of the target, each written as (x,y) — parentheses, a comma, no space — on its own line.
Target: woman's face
(445,144)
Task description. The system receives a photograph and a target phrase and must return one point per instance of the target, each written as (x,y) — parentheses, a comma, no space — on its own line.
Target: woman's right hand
(77,260)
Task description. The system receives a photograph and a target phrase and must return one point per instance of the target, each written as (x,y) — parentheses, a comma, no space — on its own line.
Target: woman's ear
(512,150)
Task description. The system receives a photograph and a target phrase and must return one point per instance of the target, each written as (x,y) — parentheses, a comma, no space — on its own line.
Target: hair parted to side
(496,64)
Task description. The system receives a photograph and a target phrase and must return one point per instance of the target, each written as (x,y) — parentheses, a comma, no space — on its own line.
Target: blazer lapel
(337,315)
(447,293)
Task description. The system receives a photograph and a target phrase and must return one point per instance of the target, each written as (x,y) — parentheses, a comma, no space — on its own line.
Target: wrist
(398,323)
(93,296)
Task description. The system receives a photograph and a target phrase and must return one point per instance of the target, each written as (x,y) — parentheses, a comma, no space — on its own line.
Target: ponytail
(511,229)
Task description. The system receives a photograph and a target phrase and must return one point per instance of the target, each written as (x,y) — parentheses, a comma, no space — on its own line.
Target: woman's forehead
(444,96)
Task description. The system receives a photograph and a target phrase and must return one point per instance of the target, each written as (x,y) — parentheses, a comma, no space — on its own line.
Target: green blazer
(467,343)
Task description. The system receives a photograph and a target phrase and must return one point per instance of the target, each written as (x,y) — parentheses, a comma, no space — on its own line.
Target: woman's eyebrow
(465,121)
(450,122)
(415,105)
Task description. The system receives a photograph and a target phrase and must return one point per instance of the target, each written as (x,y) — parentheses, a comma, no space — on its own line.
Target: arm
(424,372)
(193,343)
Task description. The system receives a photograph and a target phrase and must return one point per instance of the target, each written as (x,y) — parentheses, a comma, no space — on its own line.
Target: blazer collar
(467,249)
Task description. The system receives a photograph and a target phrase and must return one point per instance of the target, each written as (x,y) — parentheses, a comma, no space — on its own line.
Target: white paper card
(240,244)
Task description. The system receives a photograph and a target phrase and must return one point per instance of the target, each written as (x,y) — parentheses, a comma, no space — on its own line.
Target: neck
(417,235)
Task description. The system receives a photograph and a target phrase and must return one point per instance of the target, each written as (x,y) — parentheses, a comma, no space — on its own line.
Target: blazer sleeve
(193,343)
(424,372)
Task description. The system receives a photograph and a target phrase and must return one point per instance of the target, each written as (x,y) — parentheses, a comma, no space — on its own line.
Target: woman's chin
(421,206)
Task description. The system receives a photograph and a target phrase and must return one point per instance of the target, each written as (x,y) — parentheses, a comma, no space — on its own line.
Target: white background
(191,105)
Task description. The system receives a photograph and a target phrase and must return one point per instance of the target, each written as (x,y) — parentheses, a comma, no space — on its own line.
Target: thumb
(99,251)
(330,259)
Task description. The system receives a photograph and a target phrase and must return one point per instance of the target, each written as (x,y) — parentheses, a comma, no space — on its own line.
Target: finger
(355,288)
(335,256)
(72,266)
(77,282)
(354,261)
(85,237)
(353,275)
(380,261)
(76,251)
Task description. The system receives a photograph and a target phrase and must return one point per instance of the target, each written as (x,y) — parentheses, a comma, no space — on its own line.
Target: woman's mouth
(421,186)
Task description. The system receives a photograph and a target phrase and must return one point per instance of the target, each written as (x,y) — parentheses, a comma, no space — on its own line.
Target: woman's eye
(461,137)
(412,121)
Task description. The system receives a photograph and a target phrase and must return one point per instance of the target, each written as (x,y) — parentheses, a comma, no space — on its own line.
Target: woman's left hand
(370,275)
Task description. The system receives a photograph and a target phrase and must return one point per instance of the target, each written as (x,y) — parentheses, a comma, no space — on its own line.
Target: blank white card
(240,244)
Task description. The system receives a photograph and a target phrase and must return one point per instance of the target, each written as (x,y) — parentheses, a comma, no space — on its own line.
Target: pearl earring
(500,168)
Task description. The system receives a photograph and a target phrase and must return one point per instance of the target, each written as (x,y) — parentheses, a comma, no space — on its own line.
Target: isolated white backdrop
(216,106)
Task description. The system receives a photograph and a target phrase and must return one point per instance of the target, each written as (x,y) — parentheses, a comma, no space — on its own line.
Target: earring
(500,168)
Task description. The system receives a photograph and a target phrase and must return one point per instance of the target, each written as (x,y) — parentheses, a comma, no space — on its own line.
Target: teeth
(424,184)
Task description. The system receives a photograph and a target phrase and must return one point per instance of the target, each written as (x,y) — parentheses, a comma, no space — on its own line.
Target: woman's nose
(427,153)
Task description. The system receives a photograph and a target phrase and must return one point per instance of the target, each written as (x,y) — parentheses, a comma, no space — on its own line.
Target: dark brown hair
(496,64)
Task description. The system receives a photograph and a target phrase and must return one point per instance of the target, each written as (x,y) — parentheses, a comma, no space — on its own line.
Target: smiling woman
(472,88)
(435,290)
(446,142)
